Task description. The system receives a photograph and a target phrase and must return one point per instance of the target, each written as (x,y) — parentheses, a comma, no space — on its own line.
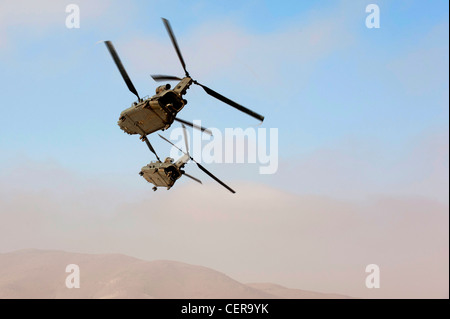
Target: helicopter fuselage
(164,174)
(157,112)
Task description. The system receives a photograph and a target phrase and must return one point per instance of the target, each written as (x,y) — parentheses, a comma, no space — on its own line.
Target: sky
(362,119)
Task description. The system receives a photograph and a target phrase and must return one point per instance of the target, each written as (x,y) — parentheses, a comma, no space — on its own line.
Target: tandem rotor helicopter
(151,114)
(165,174)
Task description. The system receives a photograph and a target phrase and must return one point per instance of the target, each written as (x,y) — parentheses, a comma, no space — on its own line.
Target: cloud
(221,48)
(355,168)
(40,19)
(261,233)
(425,69)
(36,14)
(321,241)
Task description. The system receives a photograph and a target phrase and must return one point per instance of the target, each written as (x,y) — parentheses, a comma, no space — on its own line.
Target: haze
(363,140)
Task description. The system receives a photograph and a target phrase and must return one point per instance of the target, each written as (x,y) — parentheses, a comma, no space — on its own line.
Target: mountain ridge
(35,273)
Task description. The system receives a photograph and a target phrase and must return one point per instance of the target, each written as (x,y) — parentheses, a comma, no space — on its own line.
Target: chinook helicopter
(151,114)
(165,174)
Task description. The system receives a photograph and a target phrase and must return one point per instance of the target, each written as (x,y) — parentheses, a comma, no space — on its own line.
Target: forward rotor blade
(144,138)
(230,102)
(160,78)
(185,138)
(192,177)
(214,178)
(122,71)
(165,139)
(201,128)
(175,44)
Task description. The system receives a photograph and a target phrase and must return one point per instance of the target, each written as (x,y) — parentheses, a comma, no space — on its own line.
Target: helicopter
(165,174)
(151,114)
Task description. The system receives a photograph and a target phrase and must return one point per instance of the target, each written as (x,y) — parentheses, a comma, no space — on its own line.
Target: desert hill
(35,273)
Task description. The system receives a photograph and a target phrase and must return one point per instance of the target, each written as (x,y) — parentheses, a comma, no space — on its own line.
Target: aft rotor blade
(201,128)
(192,177)
(122,71)
(185,138)
(175,44)
(214,178)
(200,166)
(160,78)
(230,102)
(165,139)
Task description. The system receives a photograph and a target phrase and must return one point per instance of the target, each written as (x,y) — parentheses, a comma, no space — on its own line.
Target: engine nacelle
(162,88)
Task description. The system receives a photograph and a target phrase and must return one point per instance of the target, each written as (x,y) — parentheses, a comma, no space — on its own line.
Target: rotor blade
(201,128)
(230,102)
(192,177)
(165,139)
(144,138)
(160,77)
(175,44)
(185,138)
(122,71)
(215,178)
(200,166)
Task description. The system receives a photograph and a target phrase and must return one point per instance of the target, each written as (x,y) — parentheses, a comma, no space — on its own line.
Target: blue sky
(313,69)
(362,116)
